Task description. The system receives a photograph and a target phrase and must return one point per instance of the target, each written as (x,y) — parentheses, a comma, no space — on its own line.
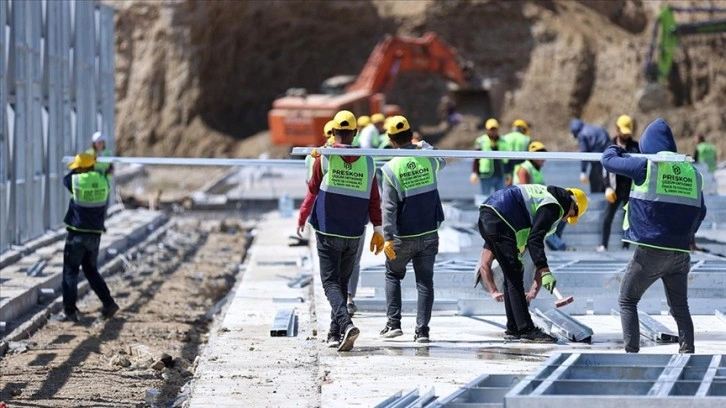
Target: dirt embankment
(195,78)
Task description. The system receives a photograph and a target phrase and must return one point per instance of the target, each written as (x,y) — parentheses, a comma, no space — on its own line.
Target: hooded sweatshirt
(653,223)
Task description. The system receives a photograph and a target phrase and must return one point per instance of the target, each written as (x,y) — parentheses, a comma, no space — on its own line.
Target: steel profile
(565,326)
(284,323)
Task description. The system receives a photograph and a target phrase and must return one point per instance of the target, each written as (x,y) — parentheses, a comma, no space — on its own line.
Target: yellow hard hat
(491,124)
(625,124)
(580,203)
(328,128)
(345,120)
(364,121)
(397,124)
(537,147)
(520,123)
(377,118)
(82,161)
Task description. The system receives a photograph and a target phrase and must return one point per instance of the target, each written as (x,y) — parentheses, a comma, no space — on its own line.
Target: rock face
(195,78)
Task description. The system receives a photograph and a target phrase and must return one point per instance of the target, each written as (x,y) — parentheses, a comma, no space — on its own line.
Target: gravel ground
(146,353)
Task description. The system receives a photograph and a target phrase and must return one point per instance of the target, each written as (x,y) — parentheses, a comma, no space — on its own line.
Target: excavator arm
(396,54)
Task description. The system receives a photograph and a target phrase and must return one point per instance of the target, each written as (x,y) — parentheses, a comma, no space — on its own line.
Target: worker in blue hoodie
(591,139)
(665,210)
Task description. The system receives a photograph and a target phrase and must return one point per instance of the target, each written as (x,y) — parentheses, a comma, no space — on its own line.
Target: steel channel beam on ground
(475,154)
(284,323)
(555,375)
(565,326)
(651,328)
(485,390)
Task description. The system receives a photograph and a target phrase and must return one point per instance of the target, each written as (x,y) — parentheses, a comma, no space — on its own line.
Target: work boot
(536,335)
(66,317)
(511,335)
(333,340)
(422,335)
(108,312)
(350,335)
(390,332)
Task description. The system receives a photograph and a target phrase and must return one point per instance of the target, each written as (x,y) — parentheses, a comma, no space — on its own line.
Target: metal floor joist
(487,390)
(651,328)
(565,326)
(617,380)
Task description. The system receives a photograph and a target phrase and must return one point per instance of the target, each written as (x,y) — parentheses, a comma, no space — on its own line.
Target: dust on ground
(146,353)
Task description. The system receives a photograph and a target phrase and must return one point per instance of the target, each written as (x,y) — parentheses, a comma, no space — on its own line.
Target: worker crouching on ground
(412,214)
(342,196)
(489,173)
(85,223)
(521,216)
(665,210)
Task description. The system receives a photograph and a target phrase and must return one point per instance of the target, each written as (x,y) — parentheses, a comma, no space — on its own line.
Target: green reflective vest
(535,176)
(707,154)
(484,143)
(100,167)
(518,142)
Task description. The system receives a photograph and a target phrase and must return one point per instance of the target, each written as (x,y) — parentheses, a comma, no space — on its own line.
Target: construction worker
(665,210)
(489,173)
(85,223)
(520,217)
(342,196)
(518,140)
(412,214)
(485,274)
(707,154)
(329,140)
(529,172)
(617,187)
(98,149)
(592,139)
(370,136)
(363,121)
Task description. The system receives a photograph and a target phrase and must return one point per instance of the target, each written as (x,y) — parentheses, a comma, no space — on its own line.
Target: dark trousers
(81,250)
(647,266)
(597,181)
(421,251)
(607,221)
(337,256)
(501,240)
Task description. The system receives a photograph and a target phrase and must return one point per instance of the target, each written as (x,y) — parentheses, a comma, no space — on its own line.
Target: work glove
(314,153)
(610,195)
(473,179)
(548,281)
(377,240)
(389,250)
(583,178)
(424,145)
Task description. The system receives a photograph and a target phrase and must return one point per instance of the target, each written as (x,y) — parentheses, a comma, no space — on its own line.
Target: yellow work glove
(377,240)
(610,195)
(583,178)
(389,250)
(315,154)
(548,281)
(473,179)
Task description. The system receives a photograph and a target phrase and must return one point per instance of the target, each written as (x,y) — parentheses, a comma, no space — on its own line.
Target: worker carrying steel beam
(85,223)
(665,210)
(520,217)
(342,195)
(412,214)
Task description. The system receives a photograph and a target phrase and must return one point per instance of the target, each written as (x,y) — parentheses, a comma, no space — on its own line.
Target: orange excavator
(298,118)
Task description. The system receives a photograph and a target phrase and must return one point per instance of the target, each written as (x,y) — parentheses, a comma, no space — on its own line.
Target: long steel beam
(195,161)
(475,154)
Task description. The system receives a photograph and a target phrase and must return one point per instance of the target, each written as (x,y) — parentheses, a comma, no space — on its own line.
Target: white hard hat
(98,137)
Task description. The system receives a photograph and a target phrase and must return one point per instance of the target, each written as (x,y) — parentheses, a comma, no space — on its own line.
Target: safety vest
(664,211)
(535,176)
(372,131)
(415,180)
(87,207)
(517,206)
(518,142)
(341,207)
(707,154)
(484,143)
(100,167)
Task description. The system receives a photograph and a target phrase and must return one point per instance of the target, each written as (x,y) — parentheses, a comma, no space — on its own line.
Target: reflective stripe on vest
(349,179)
(535,176)
(90,190)
(486,166)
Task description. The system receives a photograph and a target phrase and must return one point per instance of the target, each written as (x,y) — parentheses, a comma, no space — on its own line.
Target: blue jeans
(491,184)
(337,256)
(355,275)
(81,250)
(421,251)
(554,241)
(647,266)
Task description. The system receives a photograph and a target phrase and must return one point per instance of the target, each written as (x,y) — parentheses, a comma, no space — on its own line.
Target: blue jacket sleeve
(615,160)
(68,181)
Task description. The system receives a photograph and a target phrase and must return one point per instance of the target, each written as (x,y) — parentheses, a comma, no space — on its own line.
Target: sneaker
(390,332)
(510,335)
(333,340)
(351,334)
(536,335)
(66,317)
(422,336)
(352,309)
(107,313)
(601,248)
